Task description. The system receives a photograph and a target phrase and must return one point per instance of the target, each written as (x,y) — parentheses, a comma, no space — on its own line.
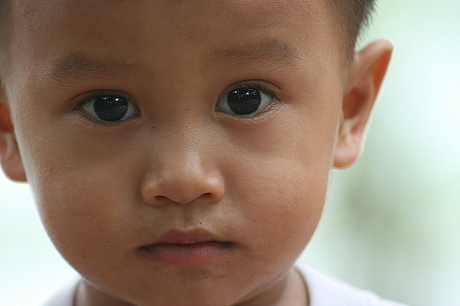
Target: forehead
(179,12)
(56,29)
(181,16)
(215,7)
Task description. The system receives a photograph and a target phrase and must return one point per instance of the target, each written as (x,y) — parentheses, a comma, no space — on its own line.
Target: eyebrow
(272,52)
(79,66)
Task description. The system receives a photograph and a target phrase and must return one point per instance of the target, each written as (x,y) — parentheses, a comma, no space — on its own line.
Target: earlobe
(363,84)
(9,152)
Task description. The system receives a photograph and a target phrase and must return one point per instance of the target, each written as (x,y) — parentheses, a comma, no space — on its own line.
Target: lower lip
(186,254)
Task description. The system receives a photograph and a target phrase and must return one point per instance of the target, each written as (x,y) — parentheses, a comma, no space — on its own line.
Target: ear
(363,84)
(9,152)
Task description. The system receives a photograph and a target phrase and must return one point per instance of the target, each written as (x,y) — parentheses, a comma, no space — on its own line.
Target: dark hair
(355,15)
(4,7)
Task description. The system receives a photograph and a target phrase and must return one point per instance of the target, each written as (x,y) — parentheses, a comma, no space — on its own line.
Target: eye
(109,108)
(245,100)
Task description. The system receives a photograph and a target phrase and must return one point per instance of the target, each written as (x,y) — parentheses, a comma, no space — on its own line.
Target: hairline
(355,16)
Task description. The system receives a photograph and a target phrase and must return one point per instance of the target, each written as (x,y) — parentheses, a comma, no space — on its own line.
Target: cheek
(83,204)
(283,174)
(278,204)
(79,210)
(289,202)
(281,201)
(93,221)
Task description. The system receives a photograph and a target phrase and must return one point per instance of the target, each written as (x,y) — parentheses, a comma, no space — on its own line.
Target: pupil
(244,101)
(110,108)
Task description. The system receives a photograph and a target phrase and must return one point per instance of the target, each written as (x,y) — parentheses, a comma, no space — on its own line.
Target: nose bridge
(185,144)
(185,155)
(185,128)
(186,168)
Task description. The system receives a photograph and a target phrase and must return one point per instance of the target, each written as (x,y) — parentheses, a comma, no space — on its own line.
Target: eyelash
(250,84)
(256,85)
(244,84)
(97,94)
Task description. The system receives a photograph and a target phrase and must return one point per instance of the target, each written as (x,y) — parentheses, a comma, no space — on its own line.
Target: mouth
(178,248)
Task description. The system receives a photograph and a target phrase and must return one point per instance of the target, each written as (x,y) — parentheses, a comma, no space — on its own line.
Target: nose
(184,175)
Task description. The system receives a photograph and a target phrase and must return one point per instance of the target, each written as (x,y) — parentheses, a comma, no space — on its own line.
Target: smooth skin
(182,162)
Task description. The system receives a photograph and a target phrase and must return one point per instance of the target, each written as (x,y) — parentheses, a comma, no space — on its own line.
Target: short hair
(4,15)
(355,16)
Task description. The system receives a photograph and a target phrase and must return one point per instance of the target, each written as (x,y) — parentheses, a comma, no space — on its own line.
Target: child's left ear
(365,78)
(9,152)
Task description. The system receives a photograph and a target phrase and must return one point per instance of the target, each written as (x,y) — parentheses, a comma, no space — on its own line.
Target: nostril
(208,196)
(183,199)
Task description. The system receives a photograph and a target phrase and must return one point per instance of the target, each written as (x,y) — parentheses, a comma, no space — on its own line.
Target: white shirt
(326,291)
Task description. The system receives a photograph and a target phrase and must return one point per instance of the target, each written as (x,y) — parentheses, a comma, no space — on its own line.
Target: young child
(180,151)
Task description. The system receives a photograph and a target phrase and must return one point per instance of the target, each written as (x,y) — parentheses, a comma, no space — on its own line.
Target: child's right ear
(9,152)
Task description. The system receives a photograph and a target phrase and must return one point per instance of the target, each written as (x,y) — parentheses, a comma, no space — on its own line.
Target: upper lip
(198,235)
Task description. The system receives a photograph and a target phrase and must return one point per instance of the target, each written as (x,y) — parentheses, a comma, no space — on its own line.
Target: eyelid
(98,93)
(259,85)
(252,84)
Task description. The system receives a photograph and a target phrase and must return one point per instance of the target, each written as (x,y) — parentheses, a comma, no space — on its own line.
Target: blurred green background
(392,222)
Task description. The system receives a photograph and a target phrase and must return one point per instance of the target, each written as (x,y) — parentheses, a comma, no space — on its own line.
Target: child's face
(146,182)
